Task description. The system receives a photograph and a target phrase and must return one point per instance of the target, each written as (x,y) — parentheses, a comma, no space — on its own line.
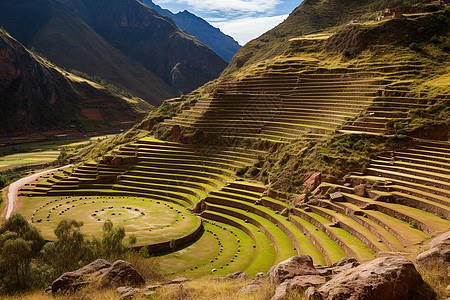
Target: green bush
(413,224)
(27,262)
(351,52)
(241,171)
(416,47)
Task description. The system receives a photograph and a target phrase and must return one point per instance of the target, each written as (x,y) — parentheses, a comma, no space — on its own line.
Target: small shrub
(416,47)
(351,52)
(413,224)
(254,171)
(436,39)
(149,268)
(241,171)
(446,47)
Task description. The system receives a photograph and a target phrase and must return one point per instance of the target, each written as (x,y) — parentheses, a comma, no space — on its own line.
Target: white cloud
(229,7)
(246,29)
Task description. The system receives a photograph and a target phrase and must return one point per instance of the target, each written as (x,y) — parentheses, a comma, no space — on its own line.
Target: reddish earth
(93,114)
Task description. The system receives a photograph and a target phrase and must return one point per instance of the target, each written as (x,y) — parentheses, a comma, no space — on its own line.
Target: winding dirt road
(13,190)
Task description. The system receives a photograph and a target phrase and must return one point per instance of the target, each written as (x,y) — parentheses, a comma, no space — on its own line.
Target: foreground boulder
(295,266)
(100,272)
(390,277)
(72,281)
(126,292)
(121,273)
(343,264)
(298,284)
(439,252)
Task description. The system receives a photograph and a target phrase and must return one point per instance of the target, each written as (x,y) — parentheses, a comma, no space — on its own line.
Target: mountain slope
(152,40)
(222,44)
(308,17)
(37,96)
(124,42)
(66,40)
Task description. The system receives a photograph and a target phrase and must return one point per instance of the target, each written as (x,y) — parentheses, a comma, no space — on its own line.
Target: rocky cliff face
(152,40)
(36,96)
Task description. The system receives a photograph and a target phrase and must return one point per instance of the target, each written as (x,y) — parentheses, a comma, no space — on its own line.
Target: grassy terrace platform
(156,170)
(417,177)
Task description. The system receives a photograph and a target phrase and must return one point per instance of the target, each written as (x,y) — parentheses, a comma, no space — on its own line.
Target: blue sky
(244,20)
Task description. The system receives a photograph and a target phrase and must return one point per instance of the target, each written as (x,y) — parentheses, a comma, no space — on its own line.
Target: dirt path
(13,190)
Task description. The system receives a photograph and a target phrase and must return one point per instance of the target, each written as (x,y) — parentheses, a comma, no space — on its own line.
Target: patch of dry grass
(210,288)
(437,277)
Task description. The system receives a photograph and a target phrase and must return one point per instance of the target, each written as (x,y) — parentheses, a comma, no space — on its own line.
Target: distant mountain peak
(224,45)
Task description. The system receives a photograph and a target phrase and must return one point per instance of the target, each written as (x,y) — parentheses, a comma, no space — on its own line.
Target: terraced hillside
(154,169)
(301,102)
(299,98)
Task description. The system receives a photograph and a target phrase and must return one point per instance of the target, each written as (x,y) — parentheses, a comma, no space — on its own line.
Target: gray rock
(126,292)
(439,252)
(121,273)
(251,287)
(72,281)
(292,267)
(311,293)
(282,290)
(298,284)
(179,279)
(239,275)
(260,275)
(343,264)
(337,197)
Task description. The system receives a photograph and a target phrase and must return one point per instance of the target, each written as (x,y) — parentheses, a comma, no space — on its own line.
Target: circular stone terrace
(154,223)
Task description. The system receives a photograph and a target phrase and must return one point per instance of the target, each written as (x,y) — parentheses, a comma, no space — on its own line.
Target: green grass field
(31,158)
(18,155)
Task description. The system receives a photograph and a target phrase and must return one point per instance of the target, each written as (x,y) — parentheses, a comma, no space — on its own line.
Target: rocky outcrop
(127,292)
(121,273)
(312,180)
(295,266)
(238,275)
(298,284)
(72,281)
(439,252)
(251,287)
(390,277)
(100,272)
(360,190)
(343,264)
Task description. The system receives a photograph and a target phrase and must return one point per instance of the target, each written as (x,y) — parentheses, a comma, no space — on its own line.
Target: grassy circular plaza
(149,220)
